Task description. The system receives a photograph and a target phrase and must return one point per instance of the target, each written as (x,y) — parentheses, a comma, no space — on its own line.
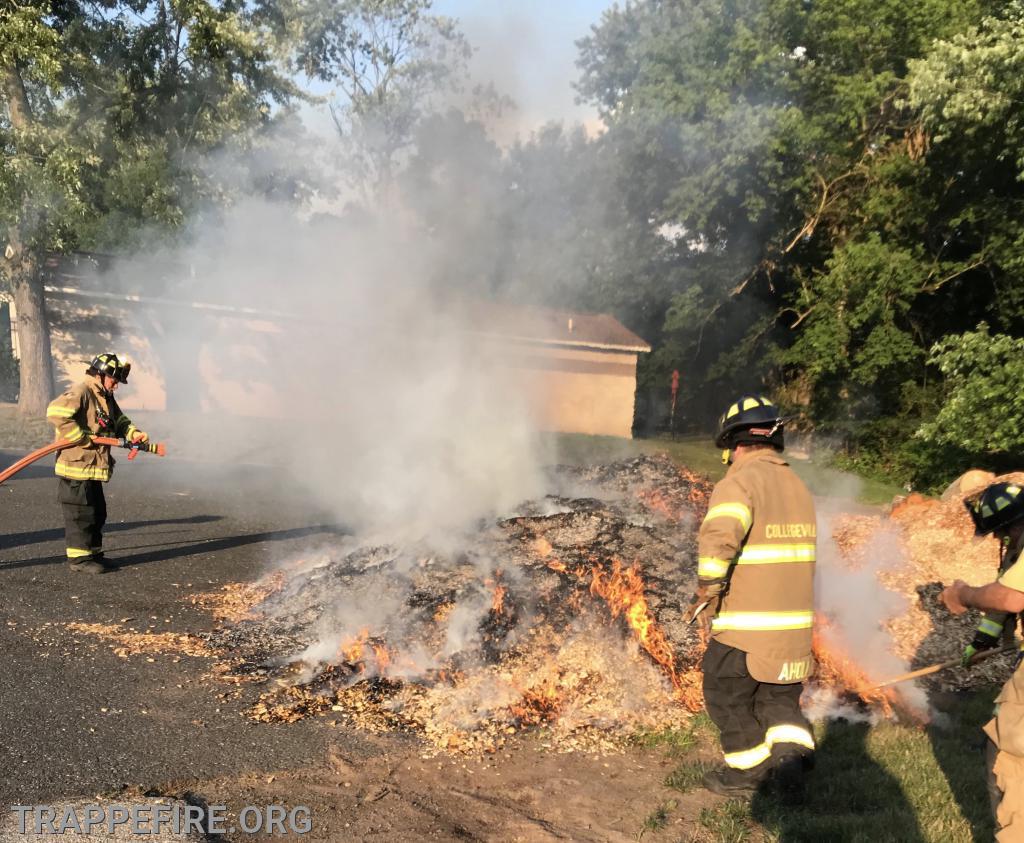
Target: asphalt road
(175,529)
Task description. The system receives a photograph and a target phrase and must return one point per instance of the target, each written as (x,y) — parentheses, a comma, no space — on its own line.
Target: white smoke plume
(858,606)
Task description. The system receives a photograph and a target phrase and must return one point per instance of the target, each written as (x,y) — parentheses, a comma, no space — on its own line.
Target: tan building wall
(575,390)
(570,388)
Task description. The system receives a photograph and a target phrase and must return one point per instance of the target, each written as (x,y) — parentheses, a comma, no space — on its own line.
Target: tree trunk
(37,386)
(22,268)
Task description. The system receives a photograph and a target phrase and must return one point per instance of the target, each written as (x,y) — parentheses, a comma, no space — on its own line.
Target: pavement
(76,718)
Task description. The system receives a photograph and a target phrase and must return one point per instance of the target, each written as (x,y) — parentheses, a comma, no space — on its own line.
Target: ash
(564,619)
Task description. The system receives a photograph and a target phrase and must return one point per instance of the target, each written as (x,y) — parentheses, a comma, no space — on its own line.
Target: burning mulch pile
(565,619)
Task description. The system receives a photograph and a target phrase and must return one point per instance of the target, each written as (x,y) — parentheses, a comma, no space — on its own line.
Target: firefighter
(999,510)
(755,599)
(88,409)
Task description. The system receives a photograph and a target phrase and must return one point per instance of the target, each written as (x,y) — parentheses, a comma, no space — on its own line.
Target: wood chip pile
(564,620)
(935,545)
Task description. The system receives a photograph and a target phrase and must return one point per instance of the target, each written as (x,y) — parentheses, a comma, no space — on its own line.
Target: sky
(527,49)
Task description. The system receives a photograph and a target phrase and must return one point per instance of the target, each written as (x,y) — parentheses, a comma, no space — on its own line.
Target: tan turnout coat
(1006,729)
(79,414)
(757,547)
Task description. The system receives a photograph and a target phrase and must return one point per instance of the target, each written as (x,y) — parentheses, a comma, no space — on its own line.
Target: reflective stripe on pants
(85,512)
(759,722)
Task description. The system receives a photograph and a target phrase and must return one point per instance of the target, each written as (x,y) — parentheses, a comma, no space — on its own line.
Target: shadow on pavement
(11,540)
(192,549)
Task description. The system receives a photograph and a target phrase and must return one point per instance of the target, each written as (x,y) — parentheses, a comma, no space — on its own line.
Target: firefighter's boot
(89,565)
(730,782)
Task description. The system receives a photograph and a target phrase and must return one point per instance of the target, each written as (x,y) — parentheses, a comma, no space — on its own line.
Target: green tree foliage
(985,393)
(841,184)
(109,109)
(392,64)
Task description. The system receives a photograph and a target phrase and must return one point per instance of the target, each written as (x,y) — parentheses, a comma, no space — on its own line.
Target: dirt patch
(386,791)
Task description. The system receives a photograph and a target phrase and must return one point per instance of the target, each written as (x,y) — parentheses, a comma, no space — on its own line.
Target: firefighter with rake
(755,599)
(999,511)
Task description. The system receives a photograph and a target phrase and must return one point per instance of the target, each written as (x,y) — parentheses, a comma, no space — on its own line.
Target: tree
(773,140)
(392,64)
(109,109)
(985,393)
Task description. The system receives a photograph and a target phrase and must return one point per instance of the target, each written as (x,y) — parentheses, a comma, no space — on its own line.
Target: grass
(697,453)
(678,743)
(887,783)
(726,823)
(657,819)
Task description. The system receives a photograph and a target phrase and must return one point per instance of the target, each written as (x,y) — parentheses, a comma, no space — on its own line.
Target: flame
(623,591)
(498,592)
(656,501)
(542,547)
(357,651)
(837,669)
(539,704)
(499,599)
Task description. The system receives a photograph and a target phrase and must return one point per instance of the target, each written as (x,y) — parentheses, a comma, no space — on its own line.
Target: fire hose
(134,448)
(935,668)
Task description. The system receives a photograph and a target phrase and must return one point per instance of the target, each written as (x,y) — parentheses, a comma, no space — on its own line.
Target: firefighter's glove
(982,641)
(703,607)
(138,437)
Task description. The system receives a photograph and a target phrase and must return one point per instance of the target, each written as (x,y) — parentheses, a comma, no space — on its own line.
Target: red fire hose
(157,448)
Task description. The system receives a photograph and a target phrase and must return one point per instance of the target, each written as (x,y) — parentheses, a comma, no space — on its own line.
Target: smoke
(856,604)
(393,409)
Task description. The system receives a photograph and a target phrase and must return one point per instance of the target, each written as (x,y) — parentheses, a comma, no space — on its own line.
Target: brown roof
(558,327)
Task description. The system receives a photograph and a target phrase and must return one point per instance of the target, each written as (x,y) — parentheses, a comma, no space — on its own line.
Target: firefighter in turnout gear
(88,409)
(999,510)
(755,597)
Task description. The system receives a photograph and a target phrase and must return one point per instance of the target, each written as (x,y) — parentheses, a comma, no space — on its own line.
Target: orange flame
(498,592)
(497,603)
(539,704)
(360,649)
(623,591)
(657,502)
(837,669)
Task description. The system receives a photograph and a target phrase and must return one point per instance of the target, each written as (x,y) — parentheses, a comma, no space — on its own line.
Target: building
(578,370)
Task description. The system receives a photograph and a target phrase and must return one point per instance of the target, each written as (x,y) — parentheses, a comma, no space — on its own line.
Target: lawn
(887,783)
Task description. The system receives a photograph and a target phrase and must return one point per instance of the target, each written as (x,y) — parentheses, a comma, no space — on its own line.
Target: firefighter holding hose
(999,511)
(84,411)
(755,597)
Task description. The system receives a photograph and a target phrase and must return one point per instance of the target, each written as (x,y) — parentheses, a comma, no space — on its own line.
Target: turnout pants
(1006,771)
(85,513)
(761,723)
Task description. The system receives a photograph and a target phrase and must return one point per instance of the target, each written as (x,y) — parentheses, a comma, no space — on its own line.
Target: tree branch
(932,288)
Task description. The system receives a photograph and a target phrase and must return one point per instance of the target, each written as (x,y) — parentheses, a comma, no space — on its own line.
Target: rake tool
(935,668)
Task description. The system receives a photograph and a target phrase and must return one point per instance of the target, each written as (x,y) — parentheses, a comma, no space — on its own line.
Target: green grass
(678,743)
(688,776)
(697,453)
(883,784)
(729,822)
(657,819)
